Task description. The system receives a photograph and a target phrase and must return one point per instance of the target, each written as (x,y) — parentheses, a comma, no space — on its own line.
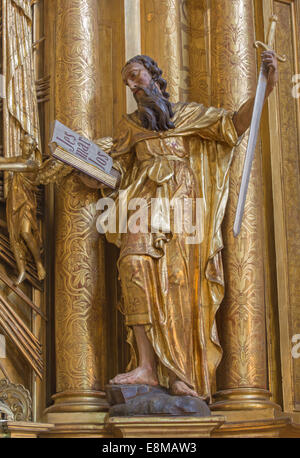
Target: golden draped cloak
(180,284)
(21,95)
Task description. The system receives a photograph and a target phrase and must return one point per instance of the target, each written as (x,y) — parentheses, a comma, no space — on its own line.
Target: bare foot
(41,271)
(179,388)
(20,278)
(139,376)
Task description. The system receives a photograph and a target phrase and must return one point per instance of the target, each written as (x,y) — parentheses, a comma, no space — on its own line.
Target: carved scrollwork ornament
(6,412)
(16,400)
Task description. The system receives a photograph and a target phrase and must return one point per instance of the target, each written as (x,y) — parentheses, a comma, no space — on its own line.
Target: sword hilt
(271,39)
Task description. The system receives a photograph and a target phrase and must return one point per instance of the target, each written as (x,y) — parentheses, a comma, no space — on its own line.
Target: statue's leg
(34,247)
(138,292)
(145,373)
(134,285)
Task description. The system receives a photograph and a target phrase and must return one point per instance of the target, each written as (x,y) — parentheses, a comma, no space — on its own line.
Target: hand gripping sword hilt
(258,44)
(271,38)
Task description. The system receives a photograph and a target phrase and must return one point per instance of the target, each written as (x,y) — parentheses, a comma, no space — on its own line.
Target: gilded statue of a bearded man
(172,289)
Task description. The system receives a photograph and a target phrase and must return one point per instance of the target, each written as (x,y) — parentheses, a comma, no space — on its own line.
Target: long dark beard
(154,110)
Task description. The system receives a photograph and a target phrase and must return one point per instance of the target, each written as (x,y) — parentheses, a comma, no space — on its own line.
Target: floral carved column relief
(79,266)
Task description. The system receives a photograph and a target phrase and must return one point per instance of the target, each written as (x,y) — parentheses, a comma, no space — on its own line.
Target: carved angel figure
(21,205)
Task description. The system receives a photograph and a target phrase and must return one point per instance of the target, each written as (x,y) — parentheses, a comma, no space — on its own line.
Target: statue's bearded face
(136,77)
(154,110)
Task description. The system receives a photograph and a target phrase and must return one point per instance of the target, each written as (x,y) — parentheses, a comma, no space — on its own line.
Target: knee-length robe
(172,287)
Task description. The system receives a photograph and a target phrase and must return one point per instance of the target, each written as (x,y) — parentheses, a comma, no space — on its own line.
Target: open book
(82,154)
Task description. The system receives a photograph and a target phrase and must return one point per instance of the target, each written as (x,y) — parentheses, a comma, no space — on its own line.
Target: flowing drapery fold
(20,76)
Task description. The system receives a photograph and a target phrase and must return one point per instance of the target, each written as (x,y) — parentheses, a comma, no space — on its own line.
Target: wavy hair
(153,69)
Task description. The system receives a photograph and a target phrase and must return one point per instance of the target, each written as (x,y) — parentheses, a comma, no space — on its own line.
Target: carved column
(162,40)
(79,259)
(242,375)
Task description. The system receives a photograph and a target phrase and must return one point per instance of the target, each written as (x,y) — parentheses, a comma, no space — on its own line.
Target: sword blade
(254,128)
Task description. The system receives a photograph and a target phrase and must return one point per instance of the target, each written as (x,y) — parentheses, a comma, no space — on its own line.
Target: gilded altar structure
(62,337)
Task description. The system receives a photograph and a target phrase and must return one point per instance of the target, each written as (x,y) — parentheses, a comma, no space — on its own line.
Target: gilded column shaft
(243,369)
(161,39)
(79,291)
(198,43)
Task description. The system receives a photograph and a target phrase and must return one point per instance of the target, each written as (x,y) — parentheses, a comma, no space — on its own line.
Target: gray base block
(138,400)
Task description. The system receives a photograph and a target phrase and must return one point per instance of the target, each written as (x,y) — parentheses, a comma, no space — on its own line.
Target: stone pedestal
(164,427)
(141,400)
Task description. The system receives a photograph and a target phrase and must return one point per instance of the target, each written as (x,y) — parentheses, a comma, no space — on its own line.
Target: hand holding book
(84,155)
